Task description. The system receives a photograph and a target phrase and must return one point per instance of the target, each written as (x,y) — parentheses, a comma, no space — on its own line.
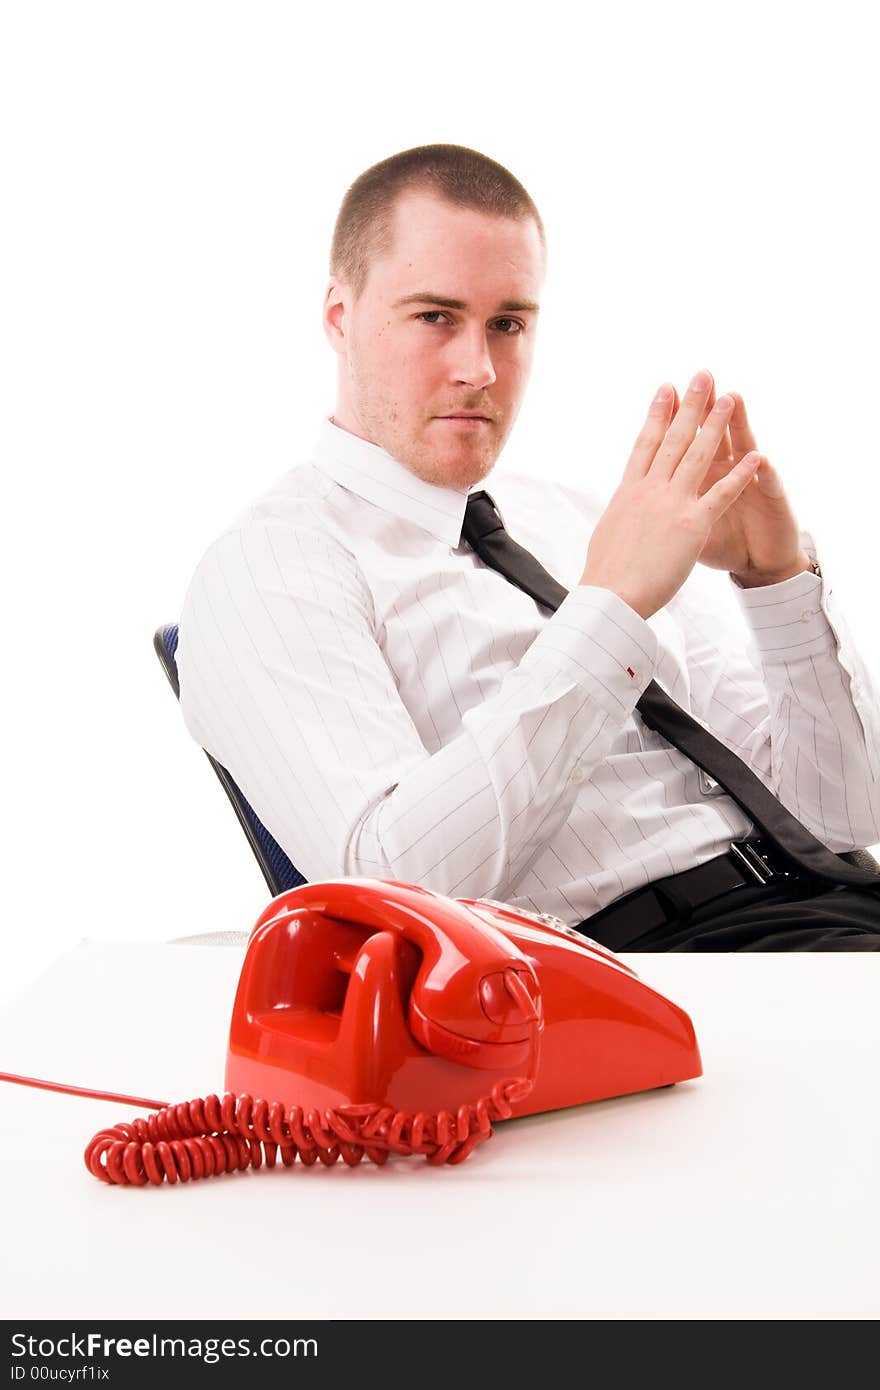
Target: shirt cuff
(788,620)
(601,643)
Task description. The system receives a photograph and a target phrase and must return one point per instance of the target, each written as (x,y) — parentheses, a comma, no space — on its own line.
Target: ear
(337,299)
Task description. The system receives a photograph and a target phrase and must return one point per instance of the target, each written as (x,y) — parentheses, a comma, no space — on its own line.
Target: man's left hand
(757,540)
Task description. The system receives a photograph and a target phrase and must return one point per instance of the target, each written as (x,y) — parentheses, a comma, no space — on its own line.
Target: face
(409,364)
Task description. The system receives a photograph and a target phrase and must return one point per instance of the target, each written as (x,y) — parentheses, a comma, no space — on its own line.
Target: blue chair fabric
(277,869)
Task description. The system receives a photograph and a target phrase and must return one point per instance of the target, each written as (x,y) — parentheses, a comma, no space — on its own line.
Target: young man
(394,705)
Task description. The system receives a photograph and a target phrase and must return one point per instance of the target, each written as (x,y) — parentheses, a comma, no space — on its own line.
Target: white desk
(750,1193)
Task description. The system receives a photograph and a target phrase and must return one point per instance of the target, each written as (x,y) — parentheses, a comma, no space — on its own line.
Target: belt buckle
(755,861)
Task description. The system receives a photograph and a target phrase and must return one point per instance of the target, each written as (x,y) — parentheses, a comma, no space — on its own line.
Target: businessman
(419,668)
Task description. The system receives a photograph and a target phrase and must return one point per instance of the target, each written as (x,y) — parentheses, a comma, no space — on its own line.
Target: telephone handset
(381,1017)
(473,998)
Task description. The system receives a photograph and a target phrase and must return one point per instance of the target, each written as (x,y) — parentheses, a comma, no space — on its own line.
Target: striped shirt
(392,707)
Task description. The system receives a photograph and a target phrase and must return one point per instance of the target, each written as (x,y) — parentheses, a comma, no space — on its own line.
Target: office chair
(277,869)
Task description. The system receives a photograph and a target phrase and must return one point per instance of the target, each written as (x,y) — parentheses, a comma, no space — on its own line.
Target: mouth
(465,419)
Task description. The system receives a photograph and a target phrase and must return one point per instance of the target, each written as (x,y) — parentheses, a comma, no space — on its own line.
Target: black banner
(257,1353)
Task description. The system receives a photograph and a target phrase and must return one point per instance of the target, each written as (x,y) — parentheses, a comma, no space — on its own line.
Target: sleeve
(790,694)
(285,682)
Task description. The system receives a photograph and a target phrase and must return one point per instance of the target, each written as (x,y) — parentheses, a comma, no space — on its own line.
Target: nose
(472,359)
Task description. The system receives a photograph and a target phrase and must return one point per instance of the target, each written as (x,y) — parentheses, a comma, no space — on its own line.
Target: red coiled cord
(201,1138)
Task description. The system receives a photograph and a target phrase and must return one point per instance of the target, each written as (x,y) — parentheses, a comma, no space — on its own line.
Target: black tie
(485,533)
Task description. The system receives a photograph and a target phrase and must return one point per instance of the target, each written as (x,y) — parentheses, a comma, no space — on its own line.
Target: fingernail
(700,382)
(662,395)
(723,405)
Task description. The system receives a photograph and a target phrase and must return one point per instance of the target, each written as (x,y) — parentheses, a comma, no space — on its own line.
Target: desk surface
(749,1193)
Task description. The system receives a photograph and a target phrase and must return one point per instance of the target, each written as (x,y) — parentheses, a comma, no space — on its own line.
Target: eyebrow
(509,306)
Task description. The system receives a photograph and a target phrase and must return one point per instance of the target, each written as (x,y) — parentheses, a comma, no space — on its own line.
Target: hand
(757,539)
(662,515)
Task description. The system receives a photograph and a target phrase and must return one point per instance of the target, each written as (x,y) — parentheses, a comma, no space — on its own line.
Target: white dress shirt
(392,707)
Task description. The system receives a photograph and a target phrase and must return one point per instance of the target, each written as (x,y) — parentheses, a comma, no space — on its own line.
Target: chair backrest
(277,869)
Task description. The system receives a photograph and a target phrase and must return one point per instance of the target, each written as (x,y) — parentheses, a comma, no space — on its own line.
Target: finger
(722,460)
(684,426)
(724,452)
(652,433)
(741,435)
(723,493)
(701,454)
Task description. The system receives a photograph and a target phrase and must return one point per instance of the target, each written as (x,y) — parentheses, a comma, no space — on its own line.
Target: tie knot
(480,518)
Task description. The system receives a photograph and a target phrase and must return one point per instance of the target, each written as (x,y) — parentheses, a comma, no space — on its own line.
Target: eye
(512,332)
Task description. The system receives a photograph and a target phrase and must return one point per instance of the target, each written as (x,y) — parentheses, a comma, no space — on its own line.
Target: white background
(171,173)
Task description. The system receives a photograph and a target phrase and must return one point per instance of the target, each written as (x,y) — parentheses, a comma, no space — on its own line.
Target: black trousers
(800,916)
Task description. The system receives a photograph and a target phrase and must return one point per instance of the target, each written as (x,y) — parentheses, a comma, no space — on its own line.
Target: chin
(462,473)
(459,467)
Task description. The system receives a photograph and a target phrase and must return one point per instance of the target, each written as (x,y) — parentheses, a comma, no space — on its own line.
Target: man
(394,705)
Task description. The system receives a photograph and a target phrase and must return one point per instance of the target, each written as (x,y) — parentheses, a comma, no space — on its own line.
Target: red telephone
(363,990)
(383,1017)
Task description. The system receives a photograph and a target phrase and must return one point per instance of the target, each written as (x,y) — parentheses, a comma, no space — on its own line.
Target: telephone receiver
(375,1017)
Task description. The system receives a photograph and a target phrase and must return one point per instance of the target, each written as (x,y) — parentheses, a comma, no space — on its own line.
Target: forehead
(432,237)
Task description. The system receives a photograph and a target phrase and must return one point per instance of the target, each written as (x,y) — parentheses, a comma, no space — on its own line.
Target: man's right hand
(648,539)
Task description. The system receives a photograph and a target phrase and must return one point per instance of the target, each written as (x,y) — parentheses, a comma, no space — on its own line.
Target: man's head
(435,223)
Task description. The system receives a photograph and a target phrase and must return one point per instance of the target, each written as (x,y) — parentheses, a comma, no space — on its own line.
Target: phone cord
(202,1138)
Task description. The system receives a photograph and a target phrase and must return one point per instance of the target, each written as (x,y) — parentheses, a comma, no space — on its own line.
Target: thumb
(768,481)
(727,489)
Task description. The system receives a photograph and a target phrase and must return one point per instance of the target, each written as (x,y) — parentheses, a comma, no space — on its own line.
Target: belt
(746,864)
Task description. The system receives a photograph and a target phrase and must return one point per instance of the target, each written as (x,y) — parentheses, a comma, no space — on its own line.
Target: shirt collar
(369,471)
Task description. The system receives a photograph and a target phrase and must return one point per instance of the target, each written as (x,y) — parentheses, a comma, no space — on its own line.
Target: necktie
(486,534)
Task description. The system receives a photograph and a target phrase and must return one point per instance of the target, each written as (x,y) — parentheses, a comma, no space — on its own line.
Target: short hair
(464,177)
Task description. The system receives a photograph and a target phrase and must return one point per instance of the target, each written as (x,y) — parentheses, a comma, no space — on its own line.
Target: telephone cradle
(378,1017)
